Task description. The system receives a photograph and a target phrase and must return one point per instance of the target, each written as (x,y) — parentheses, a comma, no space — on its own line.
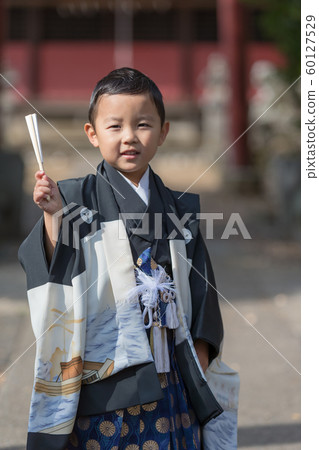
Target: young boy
(120,291)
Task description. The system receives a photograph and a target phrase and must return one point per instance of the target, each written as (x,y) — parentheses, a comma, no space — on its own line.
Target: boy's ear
(90,132)
(164,133)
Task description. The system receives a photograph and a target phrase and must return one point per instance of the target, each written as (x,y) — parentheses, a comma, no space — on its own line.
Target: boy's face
(127,131)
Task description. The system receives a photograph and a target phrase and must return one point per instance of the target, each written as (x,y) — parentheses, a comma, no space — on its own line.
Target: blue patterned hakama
(168,424)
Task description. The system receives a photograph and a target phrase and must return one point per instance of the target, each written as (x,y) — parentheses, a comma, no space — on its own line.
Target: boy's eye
(114,126)
(143,124)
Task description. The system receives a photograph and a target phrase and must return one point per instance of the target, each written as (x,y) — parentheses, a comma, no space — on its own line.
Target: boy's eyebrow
(111,118)
(146,117)
(119,119)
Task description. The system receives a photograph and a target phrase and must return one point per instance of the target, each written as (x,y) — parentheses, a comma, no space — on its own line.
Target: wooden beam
(107,4)
(185,39)
(34,28)
(232,37)
(123,35)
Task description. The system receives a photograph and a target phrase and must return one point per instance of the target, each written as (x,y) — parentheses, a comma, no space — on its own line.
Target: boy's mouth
(130,153)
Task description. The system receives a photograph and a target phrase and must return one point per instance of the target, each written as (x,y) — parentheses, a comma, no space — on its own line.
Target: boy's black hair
(126,81)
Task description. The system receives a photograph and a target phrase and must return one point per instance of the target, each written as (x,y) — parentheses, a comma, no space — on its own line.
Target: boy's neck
(134,177)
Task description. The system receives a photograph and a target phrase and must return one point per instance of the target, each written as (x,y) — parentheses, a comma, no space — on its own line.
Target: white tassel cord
(160,350)
(148,288)
(171,316)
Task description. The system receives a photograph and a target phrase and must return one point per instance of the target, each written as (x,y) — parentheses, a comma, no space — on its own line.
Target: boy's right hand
(46,194)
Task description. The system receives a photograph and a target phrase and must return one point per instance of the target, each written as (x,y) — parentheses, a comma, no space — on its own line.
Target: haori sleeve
(206,317)
(32,256)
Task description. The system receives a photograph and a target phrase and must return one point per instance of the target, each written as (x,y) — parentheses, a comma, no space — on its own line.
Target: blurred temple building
(57,49)
(212,59)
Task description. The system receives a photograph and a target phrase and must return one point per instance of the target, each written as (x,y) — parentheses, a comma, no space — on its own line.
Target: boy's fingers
(39,174)
(49,180)
(43,183)
(43,204)
(41,199)
(41,192)
(44,190)
(38,196)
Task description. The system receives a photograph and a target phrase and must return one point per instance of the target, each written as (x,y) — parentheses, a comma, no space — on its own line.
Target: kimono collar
(143,187)
(126,201)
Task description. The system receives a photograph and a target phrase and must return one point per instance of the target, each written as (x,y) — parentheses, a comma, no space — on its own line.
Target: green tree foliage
(281,23)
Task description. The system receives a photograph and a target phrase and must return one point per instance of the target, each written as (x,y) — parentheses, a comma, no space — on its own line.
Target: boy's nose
(129,136)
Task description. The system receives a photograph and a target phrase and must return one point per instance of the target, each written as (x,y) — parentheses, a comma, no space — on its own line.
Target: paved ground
(259,282)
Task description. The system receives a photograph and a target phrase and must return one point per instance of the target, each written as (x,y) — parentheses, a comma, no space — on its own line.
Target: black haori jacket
(93,353)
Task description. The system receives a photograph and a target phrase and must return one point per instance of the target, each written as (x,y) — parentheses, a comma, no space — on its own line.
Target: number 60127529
(310,52)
